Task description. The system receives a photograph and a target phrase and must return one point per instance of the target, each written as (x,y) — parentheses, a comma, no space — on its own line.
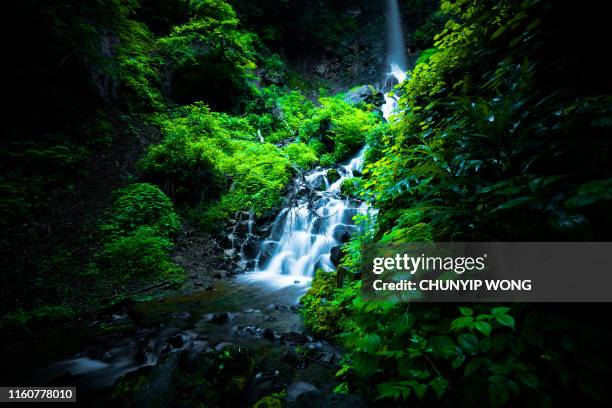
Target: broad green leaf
(529,379)
(505,320)
(483,327)
(439,385)
(471,367)
(466,311)
(468,342)
(462,322)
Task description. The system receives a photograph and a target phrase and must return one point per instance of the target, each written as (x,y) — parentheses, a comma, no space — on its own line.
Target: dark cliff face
(340,43)
(335,42)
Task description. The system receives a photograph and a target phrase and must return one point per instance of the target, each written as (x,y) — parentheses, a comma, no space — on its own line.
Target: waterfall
(396,56)
(396,51)
(305,234)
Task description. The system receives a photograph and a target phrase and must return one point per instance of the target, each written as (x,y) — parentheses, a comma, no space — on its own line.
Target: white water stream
(304,233)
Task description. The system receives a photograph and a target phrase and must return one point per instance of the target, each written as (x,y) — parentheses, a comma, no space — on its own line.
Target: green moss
(333,175)
(42,314)
(301,155)
(351,186)
(141,205)
(339,128)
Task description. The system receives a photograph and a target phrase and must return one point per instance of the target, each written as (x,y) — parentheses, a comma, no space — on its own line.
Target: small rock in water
(176,341)
(269,334)
(181,315)
(296,282)
(326,357)
(294,337)
(223,345)
(299,388)
(219,318)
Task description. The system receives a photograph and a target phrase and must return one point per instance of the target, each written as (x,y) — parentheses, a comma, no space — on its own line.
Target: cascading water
(304,234)
(396,58)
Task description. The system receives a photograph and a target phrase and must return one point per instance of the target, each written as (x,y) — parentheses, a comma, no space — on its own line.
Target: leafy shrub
(42,314)
(301,155)
(339,128)
(139,68)
(351,186)
(324,305)
(141,205)
(207,54)
(186,171)
(141,255)
(138,237)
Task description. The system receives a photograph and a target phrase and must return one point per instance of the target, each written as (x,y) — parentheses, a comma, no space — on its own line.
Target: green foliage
(301,155)
(43,314)
(426,55)
(324,305)
(138,237)
(337,129)
(351,186)
(141,205)
(271,401)
(143,255)
(208,53)
(485,147)
(216,163)
(139,68)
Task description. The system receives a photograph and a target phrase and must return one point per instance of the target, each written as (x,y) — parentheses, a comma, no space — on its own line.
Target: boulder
(342,233)
(219,318)
(251,246)
(335,254)
(364,94)
(268,248)
(294,337)
(299,388)
(332,175)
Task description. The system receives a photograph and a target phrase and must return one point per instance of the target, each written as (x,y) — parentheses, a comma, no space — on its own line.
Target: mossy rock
(332,175)
(350,186)
(188,379)
(268,402)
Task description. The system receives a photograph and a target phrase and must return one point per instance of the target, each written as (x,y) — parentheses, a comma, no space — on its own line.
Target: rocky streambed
(229,346)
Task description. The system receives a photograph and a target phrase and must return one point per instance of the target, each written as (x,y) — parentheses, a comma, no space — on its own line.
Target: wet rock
(269,334)
(294,337)
(326,357)
(333,175)
(249,331)
(365,94)
(244,227)
(219,318)
(299,388)
(220,274)
(268,248)
(342,233)
(223,345)
(317,399)
(251,245)
(347,216)
(225,241)
(177,341)
(335,254)
(318,225)
(275,306)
